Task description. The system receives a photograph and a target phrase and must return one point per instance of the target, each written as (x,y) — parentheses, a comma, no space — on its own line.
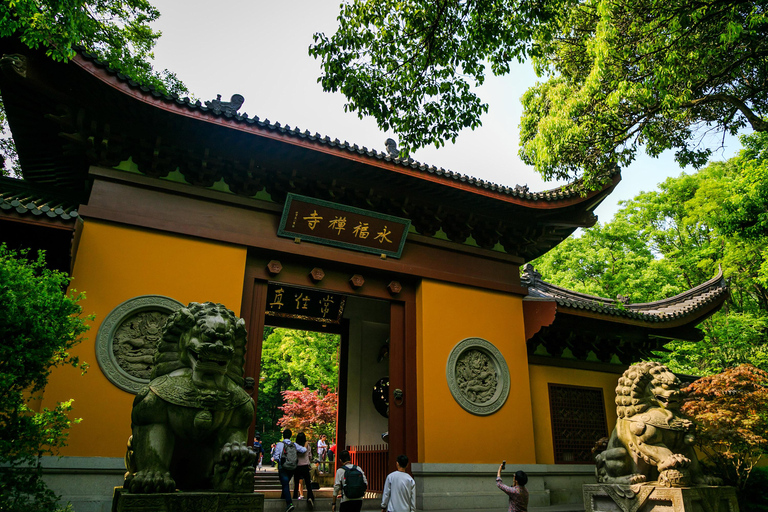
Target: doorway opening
(298,386)
(306,366)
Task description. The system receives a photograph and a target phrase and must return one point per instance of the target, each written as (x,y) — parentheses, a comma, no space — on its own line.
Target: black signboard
(302,304)
(323,222)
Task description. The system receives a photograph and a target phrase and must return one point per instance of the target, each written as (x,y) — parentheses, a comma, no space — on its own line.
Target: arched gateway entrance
(162,196)
(375,317)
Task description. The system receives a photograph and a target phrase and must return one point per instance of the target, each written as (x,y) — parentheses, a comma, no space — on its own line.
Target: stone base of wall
(187,502)
(469,487)
(86,482)
(649,498)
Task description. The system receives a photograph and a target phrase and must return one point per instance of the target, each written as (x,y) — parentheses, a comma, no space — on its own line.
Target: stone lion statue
(652,441)
(189,425)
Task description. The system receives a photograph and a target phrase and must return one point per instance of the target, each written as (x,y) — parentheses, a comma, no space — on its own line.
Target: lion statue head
(647,385)
(208,338)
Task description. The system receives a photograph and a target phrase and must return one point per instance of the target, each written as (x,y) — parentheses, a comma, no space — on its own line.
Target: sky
(258,48)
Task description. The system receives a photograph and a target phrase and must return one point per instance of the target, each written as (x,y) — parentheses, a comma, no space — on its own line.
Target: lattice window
(578,421)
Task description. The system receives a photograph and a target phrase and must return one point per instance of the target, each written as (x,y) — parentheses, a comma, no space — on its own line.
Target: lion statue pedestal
(652,498)
(649,463)
(190,424)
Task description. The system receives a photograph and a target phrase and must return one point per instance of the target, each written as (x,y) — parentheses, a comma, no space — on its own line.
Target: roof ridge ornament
(226,107)
(530,275)
(391,145)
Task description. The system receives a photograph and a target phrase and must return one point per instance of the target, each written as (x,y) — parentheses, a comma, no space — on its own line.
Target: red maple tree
(310,411)
(731,412)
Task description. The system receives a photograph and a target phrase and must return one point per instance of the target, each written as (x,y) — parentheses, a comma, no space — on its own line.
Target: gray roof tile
(15,196)
(568,191)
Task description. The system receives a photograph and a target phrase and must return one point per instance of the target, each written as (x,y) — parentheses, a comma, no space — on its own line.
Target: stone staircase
(321,504)
(266,481)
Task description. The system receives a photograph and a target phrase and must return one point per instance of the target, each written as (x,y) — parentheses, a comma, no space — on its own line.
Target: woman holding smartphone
(518,494)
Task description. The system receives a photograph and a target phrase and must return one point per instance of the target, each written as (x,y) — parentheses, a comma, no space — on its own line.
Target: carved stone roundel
(128,338)
(478,376)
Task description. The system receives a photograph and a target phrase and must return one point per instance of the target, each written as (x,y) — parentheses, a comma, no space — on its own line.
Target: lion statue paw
(234,470)
(674,461)
(149,481)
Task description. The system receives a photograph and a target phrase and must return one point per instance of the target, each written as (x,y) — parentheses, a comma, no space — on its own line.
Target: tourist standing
(259,449)
(322,451)
(286,455)
(518,494)
(302,472)
(399,489)
(350,483)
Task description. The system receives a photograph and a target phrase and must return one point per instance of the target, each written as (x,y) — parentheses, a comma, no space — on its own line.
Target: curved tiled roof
(571,190)
(682,305)
(15,196)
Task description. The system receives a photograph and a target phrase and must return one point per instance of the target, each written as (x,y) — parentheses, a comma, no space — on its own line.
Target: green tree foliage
(744,212)
(657,73)
(731,413)
(39,324)
(663,243)
(117,31)
(620,74)
(292,360)
(412,64)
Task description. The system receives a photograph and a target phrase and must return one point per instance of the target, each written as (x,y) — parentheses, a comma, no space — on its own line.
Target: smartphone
(503,464)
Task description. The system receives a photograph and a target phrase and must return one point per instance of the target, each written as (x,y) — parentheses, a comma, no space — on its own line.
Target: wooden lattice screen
(578,422)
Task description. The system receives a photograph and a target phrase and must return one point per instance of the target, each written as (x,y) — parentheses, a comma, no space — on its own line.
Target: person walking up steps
(399,489)
(350,483)
(518,494)
(286,456)
(302,472)
(259,449)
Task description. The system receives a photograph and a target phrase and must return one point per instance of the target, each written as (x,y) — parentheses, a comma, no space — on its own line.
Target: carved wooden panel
(578,421)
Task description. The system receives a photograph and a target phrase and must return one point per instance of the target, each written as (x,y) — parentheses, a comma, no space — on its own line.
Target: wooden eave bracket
(538,314)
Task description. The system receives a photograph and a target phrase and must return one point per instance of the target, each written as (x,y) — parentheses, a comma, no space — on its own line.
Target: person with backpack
(350,483)
(286,455)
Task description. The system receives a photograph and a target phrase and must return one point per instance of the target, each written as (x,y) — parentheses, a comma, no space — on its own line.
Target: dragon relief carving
(189,425)
(136,341)
(476,376)
(652,441)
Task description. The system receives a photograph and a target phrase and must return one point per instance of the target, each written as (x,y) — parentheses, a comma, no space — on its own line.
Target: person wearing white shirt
(399,489)
(322,451)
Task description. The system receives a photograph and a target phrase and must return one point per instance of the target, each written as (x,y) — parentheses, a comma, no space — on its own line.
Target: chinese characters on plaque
(302,304)
(323,222)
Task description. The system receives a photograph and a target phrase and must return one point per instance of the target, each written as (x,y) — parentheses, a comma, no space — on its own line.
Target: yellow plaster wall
(447,314)
(541,376)
(115,263)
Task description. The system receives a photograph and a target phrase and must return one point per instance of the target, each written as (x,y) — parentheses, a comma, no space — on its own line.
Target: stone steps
(321,504)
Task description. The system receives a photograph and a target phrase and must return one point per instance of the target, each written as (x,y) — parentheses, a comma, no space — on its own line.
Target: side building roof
(613,327)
